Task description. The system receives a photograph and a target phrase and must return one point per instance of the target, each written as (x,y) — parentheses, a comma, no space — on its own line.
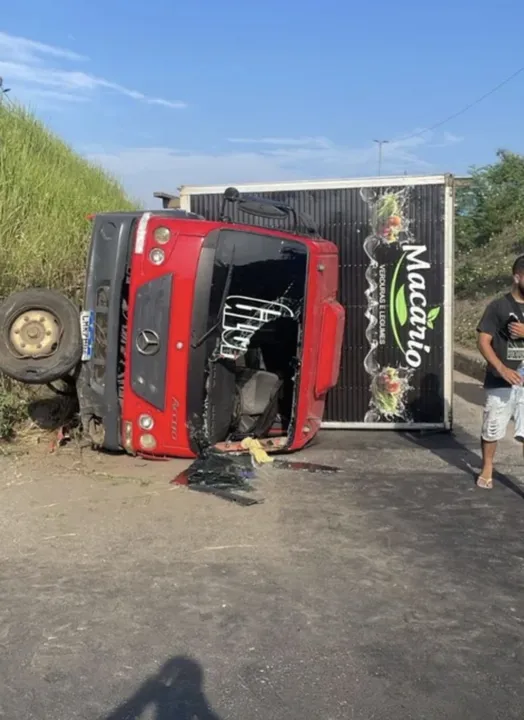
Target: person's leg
(497,414)
(518,414)
(485,479)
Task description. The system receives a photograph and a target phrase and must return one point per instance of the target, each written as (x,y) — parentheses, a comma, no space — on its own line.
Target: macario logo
(409,315)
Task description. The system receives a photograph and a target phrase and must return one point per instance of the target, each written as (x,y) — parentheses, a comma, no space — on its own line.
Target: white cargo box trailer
(396,245)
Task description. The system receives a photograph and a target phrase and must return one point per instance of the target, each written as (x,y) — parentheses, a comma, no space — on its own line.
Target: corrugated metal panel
(345,217)
(327,184)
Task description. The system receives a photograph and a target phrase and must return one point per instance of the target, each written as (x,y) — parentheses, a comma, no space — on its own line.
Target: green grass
(481,275)
(46,192)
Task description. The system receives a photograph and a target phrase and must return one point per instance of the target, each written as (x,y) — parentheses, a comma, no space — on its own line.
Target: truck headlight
(157,256)
(162,235)
(147,441)
(146,422)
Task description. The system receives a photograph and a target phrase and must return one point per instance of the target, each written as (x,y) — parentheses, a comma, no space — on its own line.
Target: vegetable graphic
(388,389)
(432,316)
(401,306)
(389,215)
(390,225)
(388,205)
(395,221)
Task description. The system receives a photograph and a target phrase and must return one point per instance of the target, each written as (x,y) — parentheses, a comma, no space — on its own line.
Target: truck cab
(196,333)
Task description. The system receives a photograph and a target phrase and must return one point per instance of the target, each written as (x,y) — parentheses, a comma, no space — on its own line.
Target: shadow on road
(447,446)
(470,392)
(174,693)
(453,452)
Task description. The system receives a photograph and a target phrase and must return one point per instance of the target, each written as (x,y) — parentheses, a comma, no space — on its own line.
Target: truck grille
(124,318)
(101,324)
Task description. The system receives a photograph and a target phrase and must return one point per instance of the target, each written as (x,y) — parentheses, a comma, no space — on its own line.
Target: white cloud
(146,169)
(282,142)
(25,67)
(448,139)
(24,50)
(56,95)
(48,99)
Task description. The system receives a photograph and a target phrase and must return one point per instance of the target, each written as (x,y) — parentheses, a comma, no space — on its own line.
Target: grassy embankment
(46,191)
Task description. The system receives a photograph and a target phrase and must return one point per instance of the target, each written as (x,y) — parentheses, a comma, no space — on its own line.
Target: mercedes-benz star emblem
(147,342)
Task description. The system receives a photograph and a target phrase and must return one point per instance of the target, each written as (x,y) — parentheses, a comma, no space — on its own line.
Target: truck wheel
(40,339)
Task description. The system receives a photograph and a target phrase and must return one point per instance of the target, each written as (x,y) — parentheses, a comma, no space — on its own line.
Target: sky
(166,93)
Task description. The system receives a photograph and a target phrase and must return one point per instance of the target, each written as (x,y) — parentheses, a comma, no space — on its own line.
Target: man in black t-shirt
(501,343)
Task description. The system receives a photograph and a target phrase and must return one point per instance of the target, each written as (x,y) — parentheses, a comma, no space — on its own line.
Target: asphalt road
(391,592)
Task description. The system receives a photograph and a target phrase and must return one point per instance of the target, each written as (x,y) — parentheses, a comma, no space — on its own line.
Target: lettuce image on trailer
(390,218)
(388,389)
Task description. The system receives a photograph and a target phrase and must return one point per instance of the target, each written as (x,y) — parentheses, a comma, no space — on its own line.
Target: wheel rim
(35,333)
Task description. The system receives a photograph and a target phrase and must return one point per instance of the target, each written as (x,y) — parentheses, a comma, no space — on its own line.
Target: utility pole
(380,143)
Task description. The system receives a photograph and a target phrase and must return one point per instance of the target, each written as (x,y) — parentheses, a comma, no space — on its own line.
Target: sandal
(484,483)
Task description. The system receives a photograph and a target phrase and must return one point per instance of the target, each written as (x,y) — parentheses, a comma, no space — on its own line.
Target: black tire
(68,352)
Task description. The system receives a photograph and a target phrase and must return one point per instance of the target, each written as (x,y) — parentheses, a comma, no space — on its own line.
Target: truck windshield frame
(244,280)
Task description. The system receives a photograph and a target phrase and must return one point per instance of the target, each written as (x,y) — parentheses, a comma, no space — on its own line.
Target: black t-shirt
(497,316)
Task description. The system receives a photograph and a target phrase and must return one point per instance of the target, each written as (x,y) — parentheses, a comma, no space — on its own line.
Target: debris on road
(228,475)
(224,475)
(306,467)
(256,450)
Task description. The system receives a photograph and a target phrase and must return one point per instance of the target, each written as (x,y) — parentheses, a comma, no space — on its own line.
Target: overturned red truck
(193,333)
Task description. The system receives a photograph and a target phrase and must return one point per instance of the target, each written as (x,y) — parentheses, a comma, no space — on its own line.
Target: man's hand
(510,376)
(516,330)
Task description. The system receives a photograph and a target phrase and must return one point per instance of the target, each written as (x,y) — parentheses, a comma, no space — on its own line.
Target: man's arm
(485,346)
(487,328)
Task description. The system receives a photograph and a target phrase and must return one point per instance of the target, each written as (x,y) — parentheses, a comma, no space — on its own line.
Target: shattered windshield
(256,279)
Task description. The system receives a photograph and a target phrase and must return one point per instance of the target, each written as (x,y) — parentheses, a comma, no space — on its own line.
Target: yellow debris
(256,450)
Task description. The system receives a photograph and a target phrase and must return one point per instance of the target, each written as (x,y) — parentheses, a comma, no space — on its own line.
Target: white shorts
(502,406)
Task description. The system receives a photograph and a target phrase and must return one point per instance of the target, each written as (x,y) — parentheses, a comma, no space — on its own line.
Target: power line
(463,110)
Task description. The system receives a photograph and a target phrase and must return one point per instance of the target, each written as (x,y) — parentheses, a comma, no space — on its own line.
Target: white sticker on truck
(242,317)
(87,329)
(141,231)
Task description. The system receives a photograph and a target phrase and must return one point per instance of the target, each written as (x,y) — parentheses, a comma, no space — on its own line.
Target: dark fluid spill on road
(306,467)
